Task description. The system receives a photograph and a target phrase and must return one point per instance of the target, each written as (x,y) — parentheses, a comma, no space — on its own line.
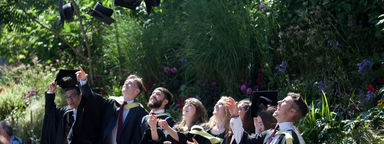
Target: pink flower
(174,70)
(166,70)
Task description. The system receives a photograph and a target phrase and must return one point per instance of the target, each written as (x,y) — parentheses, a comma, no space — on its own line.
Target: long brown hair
(199,117)
(248,120)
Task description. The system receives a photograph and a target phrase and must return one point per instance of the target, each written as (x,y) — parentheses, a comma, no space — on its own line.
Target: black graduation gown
(109,109)
(186,136)
(54,122)
(147,137)
(90,119)
(131,132)
(263,137)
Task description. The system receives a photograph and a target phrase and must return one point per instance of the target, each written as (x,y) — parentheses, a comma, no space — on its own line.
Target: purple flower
(243,87)
(368,96)
(32,91)
(364,66)
(174,70)
(166,70)
(261,6)
(256,87)
(282,67)
(249,91)
(213,84)
(320,86)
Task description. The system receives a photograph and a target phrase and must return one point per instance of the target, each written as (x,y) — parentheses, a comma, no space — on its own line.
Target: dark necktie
(120,122)
(273,133)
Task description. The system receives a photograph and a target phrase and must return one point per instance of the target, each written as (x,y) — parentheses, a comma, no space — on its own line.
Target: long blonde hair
(199,117)
(212,121)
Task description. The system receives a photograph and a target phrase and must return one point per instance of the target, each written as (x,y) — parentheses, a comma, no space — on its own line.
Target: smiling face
(157,99)
(73,98)
(285,111)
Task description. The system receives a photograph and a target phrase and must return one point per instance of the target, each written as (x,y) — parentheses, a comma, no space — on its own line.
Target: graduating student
(121,115)
(160,99)
(245,115)
(291,109)
(194,114)
(214,131)
(265,120)
(78,122)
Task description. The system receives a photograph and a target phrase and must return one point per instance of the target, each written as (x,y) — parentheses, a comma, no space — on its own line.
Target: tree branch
(85,39)
(56,34)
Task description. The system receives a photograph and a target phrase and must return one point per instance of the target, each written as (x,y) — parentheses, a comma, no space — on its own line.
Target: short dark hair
(139,82)
(168,95)
(7,127)
(300,105)
(73,88)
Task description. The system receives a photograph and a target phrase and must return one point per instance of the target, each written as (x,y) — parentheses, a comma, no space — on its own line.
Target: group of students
(91,118)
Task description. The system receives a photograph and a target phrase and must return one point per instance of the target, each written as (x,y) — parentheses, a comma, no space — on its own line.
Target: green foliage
(22,98)
(323,126)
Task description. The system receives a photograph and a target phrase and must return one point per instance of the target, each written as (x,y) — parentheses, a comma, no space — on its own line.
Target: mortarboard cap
(262,97)
(66,78)
(102,13)
(131,4)
(66,12)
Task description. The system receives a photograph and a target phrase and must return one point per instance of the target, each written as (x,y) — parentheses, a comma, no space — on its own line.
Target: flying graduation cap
(66,78)
(66,12)
(102,13)
(262,97)
(131,4)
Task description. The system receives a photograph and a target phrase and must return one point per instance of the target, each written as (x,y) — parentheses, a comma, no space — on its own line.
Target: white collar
(284,126)
(130,101)
(158,111)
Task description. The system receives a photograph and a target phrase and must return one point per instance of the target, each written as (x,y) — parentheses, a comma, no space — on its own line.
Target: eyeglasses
(71,97)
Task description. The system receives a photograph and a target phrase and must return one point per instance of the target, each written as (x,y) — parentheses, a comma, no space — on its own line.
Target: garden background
(330,51)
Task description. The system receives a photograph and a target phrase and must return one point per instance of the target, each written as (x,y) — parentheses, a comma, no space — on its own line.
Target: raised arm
(164,125)
(50,97)
(152,122)
(84,86)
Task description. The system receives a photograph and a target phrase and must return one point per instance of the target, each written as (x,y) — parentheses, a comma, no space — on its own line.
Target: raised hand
(52,87)
(163,124)
(152,121)
(231,104)
(81,75)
